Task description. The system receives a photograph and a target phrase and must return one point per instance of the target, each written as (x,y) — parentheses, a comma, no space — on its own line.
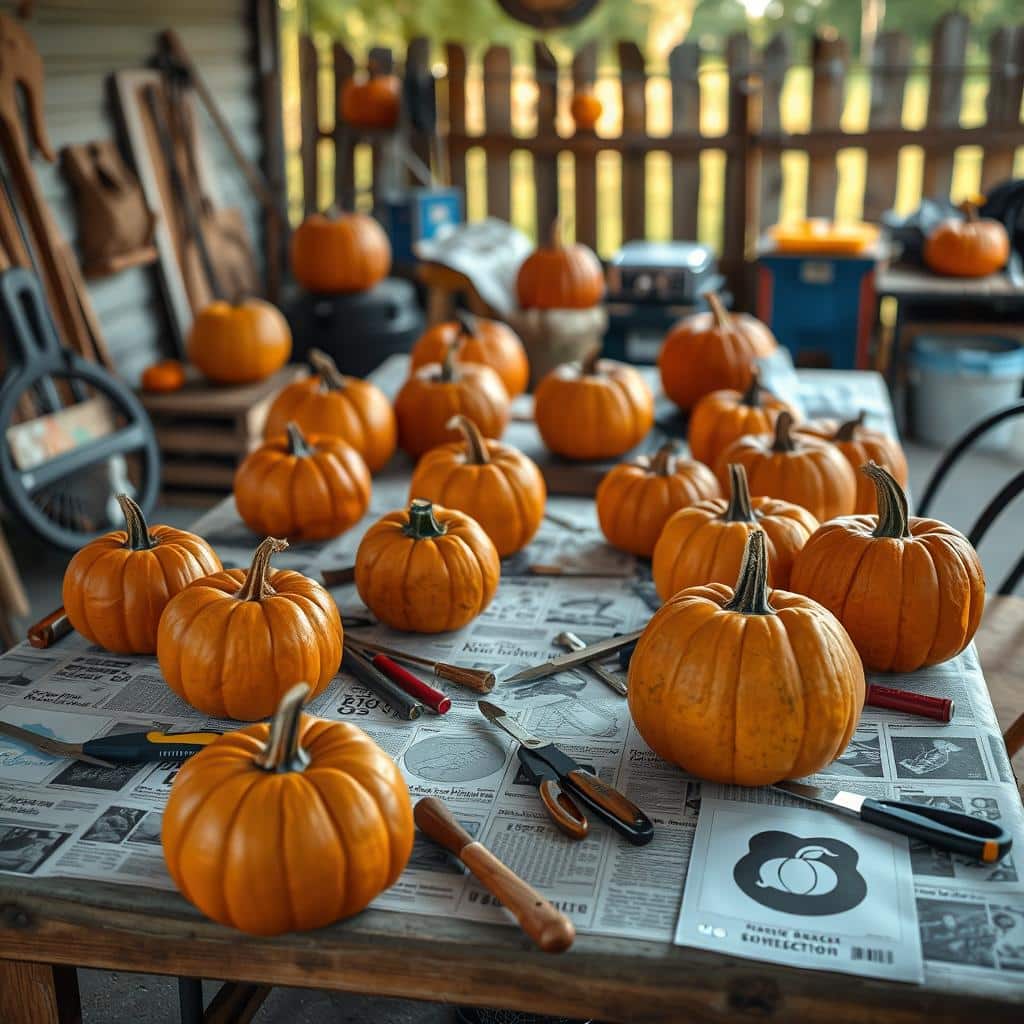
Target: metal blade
(574,658)
(48,745)
(841,801)
(496,715)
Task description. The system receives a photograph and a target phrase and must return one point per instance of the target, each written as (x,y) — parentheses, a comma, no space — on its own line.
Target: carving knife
(569,640)
(573,658)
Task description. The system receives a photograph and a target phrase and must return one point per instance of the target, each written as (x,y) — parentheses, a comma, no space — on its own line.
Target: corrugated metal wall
(82,42)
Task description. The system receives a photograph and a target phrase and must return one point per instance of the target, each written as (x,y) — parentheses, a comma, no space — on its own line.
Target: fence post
(889,63)
(767,167)
(828,61)
(735,217)
(634,123)
(1002,105)
(545,165)
(683,70)
(949,49)
(344,143)
(309,121)
(498,123)
(584,72)
(455,59)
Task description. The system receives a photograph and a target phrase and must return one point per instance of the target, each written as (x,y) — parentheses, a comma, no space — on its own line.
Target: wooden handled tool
(545,924)
(479,680)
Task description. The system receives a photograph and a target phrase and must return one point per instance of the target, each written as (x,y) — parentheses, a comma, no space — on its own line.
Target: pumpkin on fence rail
(969,247)
(372,100)
(558,276)
(239,342)
(338,252)
(586,109)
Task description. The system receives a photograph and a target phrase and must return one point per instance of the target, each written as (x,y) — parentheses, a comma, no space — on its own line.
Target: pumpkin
(586,110)
(480,341)
(426,569)
(306,489)
(234,643)
(239,342)
(712,351)
(719,418)
(494,483)
(287,826)
(972,247)
(167,375)
(371,101)
(705,543)
(745,686)
(636,499)
(116,587)
(910,591)
(340,252)
(597,409)
(560,276)
(794,467)
(435,393)
(328,402)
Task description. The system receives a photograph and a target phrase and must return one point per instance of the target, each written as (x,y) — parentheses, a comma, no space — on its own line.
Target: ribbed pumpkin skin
(586,110)
(560,277)
(239,343)
(724,416)
(345,253)
(491,342)
(973,247)
(373,102)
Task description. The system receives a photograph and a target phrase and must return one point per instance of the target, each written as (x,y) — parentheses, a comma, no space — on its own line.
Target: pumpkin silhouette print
(805,876)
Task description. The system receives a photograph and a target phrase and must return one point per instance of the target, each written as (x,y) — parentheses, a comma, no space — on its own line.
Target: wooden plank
(584,74)
(633,75)
(828,70)
(775,62)
(545,167)
(1002,105)
(344,141)
(455,95)
(417,62)
(683,70)
(498,118)
(737,163)
(380,60)
(38,994)
(309,121)
(949,51)
(889,65)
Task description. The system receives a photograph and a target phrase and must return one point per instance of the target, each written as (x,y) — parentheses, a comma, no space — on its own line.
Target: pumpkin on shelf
(597,409)
(586,109)
(234,643)
(727,695)
(712,351)
(494,483)
(312,812)
(705,543)
(239,342)
(116,587)
(167,375)
(328,402)
(636,499)
(794,467)
(910,591)
(969,247)
(426,569)
(558,276)
(304,488)
(371,101)
(340,252)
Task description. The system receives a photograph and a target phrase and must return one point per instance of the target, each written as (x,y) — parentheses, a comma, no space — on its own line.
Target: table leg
(38,994)
(190,1000)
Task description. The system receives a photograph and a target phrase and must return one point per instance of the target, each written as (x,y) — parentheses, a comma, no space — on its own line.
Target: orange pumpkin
(710,352)
(909,591)
(234,643)
(794,467)
(480,341)
(239,342)
(340,252)
(636,499)
(305,489)
(330,403)
(494,483)
(116,587)
(586,110)
(560,276)
(426,569)
(746,686)
(597,409)
(167,375)
(287,826)
(704,543)
(371,101)
(972,247)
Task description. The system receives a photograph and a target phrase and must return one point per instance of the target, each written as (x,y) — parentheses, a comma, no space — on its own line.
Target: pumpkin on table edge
(910,591)
(336,252)
(116,587)
(287,826)
(239,342)
(972,247)
(746,686)
(558,276)
(167,375)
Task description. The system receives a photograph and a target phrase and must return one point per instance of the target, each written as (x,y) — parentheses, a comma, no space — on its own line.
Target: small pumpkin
(116,587)
(287,826)
(426,569)
(494,483)
(239,342)
(746,686)
(234,643)
(794,467)
(480,341)
(597,409)
(712,351)
(970,247)
(636,499)
(559,276)
(705,542)
(910,591)
(303,488)
(328,402)
(586,110)
(167,375)
(371,101)
(340,253)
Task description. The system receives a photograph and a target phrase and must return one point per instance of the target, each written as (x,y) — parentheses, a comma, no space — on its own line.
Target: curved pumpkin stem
(784,441)
(848,431)
(256,587)
(893,513)
(588,365)
(422,524)
(752,396)
(751,594)
(476,449)
(467,324)
(448,373)
(138,538)
(664,459)
(282,752)
(739,509)
(718,310)
(297,443)
(555,234)
(331,377)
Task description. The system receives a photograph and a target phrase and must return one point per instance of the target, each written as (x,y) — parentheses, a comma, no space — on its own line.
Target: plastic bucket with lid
(958,379)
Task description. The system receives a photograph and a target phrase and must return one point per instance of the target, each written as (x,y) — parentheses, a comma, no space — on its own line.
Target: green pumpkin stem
(297,443)
(331,378)
(476,449)
(282,752)
(422,524)
(848,430)
(784,441)
(138,538)
(752,396)
(893,513)
(663,461)
(717,307)
(739,509)
(751,594)
(256,587)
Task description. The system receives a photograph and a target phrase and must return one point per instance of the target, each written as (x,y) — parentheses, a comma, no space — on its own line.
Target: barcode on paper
(873,956)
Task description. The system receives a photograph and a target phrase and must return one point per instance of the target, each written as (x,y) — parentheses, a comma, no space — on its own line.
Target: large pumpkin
(328,402)
(234,643)
(746,686)
(586,110)
(597,409)
(909,591)
(239,342)
(287,826)
(559,276)
(493,483)
(426,569)
(794,467)
(302,488)
(636,499)
(340,252)
(712,351)
(704,543)
(371,101)
(116,587)
(972,247)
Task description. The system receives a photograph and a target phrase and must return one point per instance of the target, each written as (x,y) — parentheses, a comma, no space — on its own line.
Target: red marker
(412,685)
(939,708)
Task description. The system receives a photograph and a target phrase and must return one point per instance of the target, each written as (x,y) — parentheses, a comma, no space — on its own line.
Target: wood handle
(477,679)
(435,819)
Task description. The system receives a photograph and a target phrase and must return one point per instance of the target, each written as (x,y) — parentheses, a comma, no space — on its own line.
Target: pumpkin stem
(331,377)
(664,458)
(751,594)
(848,431)
(422,524)
(739,509)
(138,538)
(588,365)
(476,450)
(467,324)
(718,310)
(893,514)
(297,444)
(448,363)
(969,210)
(752,396)
(555,234)
(282,752)
(256,587)
(784,441)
